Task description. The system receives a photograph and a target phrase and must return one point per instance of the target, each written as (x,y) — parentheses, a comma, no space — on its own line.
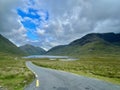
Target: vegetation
(90,44)
(32,50)
(8,47)
(105,68)
(99,58)
(14,74)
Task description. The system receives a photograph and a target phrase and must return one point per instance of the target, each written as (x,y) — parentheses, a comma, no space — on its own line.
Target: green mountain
(105,37)
(8,47)
(90,44)
(32,50)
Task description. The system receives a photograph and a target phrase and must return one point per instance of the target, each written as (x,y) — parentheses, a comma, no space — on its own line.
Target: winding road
(49,79)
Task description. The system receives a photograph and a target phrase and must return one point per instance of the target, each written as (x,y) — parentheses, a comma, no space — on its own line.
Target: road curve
(49,79)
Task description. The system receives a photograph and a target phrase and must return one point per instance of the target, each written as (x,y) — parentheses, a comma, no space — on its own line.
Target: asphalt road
(49,79)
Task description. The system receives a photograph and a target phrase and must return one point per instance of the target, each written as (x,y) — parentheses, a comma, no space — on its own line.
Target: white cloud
(108,26)
(11,26)
(68,20)
(82,17)
(40,31)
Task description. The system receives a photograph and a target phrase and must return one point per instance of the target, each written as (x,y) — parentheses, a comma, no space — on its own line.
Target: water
(61,58)
(47,56)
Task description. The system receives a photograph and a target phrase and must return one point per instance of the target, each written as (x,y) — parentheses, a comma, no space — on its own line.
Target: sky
(48,23)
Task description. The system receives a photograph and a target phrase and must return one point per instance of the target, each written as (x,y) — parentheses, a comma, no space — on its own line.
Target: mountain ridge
(109,37)
(90,44)
(32,50)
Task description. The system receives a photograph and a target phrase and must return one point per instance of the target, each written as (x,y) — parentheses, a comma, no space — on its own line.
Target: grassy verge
(13,73)
(104,68)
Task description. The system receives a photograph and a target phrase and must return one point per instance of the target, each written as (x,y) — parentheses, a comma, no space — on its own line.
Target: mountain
(32,50)
(90,44)
(108,37)
(8,47)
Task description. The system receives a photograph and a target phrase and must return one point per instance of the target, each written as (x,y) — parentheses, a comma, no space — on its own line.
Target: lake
(62,58)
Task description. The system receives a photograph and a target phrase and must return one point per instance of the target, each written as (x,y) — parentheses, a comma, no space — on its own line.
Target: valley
(97,56)
(104,68)
(59,44)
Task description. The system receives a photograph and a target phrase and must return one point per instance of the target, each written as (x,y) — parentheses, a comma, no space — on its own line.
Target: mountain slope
(8,47)
(90,44)
(108,37)
(32,50)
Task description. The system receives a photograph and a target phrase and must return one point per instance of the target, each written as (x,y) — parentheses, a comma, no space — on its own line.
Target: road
(49,79)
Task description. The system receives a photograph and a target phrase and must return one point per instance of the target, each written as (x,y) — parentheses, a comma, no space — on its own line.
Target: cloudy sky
(47,23)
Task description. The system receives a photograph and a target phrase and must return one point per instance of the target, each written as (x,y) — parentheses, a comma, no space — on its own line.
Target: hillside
(105,37)
(32,50)
(90,44)
(8,47)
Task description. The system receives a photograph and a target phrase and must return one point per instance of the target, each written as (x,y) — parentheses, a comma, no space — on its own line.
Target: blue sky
(48,23)
(30,25)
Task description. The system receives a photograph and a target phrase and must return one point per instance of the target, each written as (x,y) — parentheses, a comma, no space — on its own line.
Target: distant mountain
(32,50)
(8,47)
(107,37)
(90,44)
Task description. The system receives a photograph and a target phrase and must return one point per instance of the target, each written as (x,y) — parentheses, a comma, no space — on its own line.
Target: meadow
(104,68)
(14,74)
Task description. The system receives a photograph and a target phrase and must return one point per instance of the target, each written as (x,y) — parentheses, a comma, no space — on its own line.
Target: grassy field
(13,73)
(104,68)
(15,76)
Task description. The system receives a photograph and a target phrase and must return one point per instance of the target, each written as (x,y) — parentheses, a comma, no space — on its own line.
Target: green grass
(13,73)
(104,68)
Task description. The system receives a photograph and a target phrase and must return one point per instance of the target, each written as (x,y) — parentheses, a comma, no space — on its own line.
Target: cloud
(18,36)
(108,26)
(10,25)
(7,14)
(40,32)
(71,20)
(60,21)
